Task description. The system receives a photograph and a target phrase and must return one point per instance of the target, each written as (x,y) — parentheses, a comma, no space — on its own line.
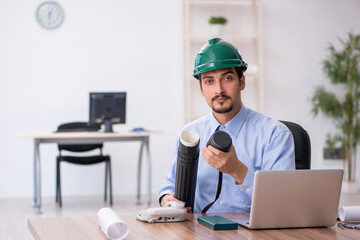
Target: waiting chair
(302,145)
(82,160)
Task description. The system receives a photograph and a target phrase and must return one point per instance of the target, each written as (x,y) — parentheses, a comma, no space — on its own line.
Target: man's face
(221,89)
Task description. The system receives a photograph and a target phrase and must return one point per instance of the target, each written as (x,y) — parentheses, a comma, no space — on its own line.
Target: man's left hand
(226,162)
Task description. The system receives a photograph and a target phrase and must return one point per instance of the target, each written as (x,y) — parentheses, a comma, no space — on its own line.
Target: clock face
(49,15)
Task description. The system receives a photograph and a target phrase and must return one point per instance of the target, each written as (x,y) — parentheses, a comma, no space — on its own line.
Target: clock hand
(49,16)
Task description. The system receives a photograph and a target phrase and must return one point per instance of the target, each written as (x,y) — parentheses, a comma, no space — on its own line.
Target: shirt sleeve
(277,155)
(248,183)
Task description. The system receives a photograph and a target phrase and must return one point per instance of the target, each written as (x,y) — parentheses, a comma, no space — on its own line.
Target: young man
(259,142)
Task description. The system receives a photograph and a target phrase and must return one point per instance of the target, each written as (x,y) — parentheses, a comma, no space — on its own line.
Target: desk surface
(88,228)
(87,134)
(87,137)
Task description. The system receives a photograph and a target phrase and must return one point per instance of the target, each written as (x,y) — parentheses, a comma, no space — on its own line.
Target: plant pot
(216,30)
(349,165)
(337,154)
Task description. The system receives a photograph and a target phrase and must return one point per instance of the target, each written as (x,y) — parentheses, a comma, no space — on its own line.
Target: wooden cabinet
(243,30)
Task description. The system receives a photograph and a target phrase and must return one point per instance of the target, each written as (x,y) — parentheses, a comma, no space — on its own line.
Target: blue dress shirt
(261,143)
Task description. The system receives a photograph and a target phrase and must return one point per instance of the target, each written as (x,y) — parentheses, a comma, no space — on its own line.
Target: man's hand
(170,197)
(226,162)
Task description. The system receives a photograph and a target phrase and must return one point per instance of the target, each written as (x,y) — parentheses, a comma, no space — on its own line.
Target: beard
(222,109)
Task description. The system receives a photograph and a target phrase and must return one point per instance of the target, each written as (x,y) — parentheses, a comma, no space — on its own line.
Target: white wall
(135,46)
(46,76)
(296,37)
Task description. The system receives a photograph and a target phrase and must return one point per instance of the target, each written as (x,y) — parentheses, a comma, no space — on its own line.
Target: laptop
(294,199)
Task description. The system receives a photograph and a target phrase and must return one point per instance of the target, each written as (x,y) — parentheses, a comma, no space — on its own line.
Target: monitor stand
(108,125)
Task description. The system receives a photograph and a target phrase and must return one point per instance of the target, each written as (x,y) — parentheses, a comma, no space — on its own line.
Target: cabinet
(243,30)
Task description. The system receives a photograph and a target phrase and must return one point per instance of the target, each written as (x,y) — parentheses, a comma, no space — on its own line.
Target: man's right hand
(170,197)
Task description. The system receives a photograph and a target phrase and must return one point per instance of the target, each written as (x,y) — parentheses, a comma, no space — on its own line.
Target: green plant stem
(343,67)
(348,137)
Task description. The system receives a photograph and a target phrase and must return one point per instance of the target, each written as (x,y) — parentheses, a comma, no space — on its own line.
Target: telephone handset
(173,211)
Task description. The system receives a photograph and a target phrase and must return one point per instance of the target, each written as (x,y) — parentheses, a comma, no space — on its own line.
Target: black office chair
(302,145)
(82,160)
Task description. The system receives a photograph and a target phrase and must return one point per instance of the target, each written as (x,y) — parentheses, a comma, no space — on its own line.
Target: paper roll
(350,214)
(111,224)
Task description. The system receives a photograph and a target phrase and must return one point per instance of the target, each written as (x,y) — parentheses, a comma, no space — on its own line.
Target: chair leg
(110,183)
(106,179)
(59,184)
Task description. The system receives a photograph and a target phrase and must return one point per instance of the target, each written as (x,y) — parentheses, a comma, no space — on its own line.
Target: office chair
(82,160)
(302,145)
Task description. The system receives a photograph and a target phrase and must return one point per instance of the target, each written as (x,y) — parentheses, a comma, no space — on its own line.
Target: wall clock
(49,15)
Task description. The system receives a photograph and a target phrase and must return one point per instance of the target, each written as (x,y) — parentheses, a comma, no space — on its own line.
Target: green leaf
(217,20)
(326,103)
(341,67)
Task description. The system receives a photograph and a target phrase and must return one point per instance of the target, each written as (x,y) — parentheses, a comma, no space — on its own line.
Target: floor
(15,212)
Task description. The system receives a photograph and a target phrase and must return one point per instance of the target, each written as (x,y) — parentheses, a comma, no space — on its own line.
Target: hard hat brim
(219,65)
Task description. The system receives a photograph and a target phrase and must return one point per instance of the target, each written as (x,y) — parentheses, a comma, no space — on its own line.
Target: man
(259,142)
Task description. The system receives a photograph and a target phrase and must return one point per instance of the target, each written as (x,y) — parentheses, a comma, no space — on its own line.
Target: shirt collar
(234,125)
(213,123)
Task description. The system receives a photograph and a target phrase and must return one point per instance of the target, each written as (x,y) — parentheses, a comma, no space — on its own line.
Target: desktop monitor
(107,108)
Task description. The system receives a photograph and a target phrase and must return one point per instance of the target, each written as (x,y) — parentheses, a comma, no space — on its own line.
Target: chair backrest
(302,145)
(78,127)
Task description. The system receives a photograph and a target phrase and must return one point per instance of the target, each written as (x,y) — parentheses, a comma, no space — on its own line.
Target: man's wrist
(240,173)
(163,197)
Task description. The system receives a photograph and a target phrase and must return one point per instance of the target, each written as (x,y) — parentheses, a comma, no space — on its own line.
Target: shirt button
(247,190)
(241,189)
(222,128)
(221,202)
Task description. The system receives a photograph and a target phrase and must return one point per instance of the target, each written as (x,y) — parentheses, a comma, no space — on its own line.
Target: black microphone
(186,168)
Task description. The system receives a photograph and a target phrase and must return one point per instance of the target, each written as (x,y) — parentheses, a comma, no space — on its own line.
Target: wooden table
(88,138)
(87,228)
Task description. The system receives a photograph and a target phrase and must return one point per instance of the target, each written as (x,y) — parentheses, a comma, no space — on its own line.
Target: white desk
(85,138)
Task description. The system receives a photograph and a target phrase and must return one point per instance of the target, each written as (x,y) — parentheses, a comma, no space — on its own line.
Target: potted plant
(342,68)
(217,25)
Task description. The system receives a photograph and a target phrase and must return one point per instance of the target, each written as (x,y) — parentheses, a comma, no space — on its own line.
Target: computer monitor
(107,108)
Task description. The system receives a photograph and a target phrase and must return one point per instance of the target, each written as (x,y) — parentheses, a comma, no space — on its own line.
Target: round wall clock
(49,15)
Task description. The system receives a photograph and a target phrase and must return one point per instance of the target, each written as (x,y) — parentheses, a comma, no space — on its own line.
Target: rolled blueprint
(350,214)
(187,166)
(111,224)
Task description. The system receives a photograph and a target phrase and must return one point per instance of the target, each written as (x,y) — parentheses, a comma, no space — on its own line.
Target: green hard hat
(217,54)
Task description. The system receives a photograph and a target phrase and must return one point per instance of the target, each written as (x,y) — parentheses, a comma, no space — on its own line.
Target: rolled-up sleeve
(277,155)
